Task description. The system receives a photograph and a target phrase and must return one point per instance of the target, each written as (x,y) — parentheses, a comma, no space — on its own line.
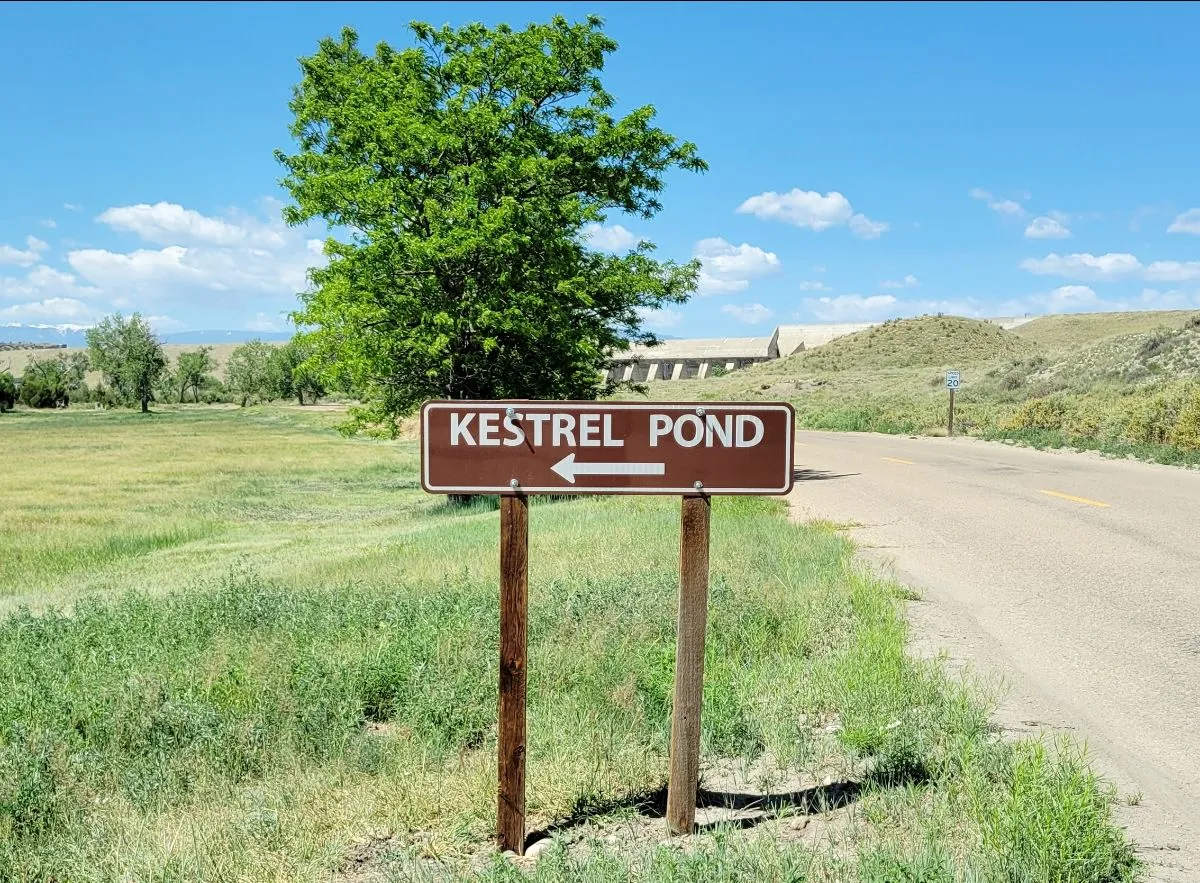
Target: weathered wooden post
(689,664)
(514,630)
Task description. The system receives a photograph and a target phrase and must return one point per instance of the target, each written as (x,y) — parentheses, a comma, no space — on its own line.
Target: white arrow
(567,468)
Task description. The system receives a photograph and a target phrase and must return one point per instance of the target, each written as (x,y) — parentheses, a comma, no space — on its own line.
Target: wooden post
(514,617)
(689,665)
(950,423)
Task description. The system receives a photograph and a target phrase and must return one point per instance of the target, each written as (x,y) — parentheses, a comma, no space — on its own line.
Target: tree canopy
(51,383)
(193,370)
(8,391)
(465,171)
(129,355)
(248,371)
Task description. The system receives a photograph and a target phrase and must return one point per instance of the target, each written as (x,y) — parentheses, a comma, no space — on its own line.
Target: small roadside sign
(952,379)
(534,447)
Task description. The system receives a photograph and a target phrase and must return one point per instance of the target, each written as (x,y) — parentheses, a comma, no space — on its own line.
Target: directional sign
(531,447)
(952,379)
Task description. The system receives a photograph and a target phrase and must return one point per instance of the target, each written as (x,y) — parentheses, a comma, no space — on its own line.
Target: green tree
(8,392)
(291,374)
(193,370)
(467,170)
(248,371)
(129,355)
(46,383)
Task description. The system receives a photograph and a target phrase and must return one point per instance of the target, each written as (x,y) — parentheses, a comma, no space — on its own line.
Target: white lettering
(697,433)
(743,421)
(609,441)
(459,424)
(537,420)
(516,435)
(660,424)
(724,433)
(588,430)
(564,427)
(489,425)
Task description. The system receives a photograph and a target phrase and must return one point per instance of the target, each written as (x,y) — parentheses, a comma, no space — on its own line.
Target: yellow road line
(898,460)
(1074,499)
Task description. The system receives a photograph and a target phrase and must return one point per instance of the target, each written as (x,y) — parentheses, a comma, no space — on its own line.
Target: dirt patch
(757,798)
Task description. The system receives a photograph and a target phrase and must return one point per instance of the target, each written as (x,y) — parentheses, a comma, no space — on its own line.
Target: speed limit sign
(952,379)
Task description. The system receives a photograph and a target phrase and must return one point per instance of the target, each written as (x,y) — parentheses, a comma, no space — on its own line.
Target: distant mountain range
(71,336)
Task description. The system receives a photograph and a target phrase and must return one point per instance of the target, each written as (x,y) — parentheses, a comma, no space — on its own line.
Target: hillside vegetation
(1127,384)
(1070,330)
(928,341)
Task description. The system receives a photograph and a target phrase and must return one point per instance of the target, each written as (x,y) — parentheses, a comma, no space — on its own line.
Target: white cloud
(812,210)
(50,310)
(864,228)
(263,322)
(35,244)
(1070,298)
(909,281)
(11,255)
(1046,228)
(813,285)
(1007,207)
(1081,298)
(659,319)
(801,208)
(43,282)
(1173,271)
(614,238)
(1188,222)
(1175,299)
(170,223)
(72,207)
(852,307)
(165,324)
(857,308)
(728,268)
(1003,206)
(751,314)
(48,222)
(818,268)
(1083,266)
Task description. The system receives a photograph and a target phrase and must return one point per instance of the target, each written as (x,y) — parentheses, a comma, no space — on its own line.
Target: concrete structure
(695,359)
(687,359)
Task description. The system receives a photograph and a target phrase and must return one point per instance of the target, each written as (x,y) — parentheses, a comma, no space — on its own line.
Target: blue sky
(866,161)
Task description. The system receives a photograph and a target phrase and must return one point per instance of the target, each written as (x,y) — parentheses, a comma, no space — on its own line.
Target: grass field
(237,646)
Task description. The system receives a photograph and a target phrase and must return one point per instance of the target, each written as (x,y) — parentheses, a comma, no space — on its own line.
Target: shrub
(8,392)
(1152,419)
(1042,413)
(1186,433)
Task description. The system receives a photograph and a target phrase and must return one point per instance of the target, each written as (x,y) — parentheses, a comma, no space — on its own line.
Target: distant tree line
(135,372)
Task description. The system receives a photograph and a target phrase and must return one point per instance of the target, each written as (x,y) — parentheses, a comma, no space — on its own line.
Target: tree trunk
(300,396)
(145,404)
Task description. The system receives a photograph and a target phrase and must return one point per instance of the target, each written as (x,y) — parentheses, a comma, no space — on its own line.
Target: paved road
(1076,578)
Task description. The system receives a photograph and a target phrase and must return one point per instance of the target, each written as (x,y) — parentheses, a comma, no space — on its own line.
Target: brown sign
(530,447)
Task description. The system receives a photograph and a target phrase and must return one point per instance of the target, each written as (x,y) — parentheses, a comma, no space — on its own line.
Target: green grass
(236,644)
(1076,330)
(1054,439)
(949,341)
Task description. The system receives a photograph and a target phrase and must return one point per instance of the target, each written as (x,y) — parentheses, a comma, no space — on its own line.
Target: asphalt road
(1075,578)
